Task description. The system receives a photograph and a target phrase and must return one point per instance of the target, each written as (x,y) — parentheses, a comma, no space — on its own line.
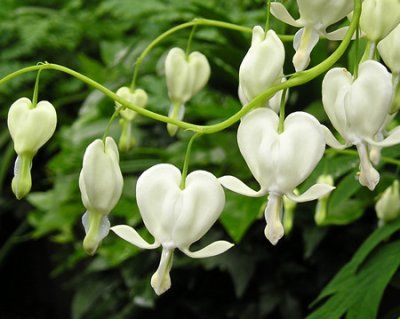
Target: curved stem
(267,25)
(36,90)
(187,159)
(112,118)
(282,112)
(189,43)
(296,80)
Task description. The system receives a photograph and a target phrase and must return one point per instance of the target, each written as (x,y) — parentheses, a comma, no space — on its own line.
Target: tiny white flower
(358,109)
(100,183)
(315,17)
(30,128)
(262,67)
(388,206)
(176,217)
(279,162)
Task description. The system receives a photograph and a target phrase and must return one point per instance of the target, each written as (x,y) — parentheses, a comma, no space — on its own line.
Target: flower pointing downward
(279,162)
(176,217)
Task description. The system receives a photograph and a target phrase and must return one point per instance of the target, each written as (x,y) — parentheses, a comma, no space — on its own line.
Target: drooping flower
(315,17)
(30,128)
(388,206)
(279,162)
(100,183)
(176,217)
(186,76)
(379,18)
(137,97)
(262,67)
(358,109)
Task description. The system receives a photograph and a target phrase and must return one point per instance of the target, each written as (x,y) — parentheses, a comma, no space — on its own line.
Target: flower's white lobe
(389,49)
(358,109)
(315,17)
(176,217)
(262,67)
(100,183)
(30,128)
(279,162)
(388,206)
(379,18)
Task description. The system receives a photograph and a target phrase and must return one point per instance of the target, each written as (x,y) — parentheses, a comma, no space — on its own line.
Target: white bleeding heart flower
(358,108)
(137,97)
(389,50)
(388,206)
(379,18)
(100,183)
(30,128)
(176,217)
(262,67)
(315,17)
(186,75)
(279,162)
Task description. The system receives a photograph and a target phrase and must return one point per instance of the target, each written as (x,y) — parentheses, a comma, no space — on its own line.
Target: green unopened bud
(289,206)
(22,181)
(321,210)
(388,206)
(126,140)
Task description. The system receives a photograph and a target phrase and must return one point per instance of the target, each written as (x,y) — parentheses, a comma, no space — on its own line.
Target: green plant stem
(267,23)
(296,80)
(187,159)
(112,118)
(357,49)
(36,89)
(384,159)
(194,22)
(190,40)
(282,112)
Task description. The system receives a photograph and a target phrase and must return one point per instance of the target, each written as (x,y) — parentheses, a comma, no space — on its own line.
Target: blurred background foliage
(44,271)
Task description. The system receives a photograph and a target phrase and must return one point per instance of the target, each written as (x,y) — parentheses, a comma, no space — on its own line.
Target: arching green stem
(282,111)
(189,43)
(186,161)
(267,24)
(36,90)
(112,118)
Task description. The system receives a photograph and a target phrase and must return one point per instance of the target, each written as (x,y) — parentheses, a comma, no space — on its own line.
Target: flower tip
(274,234)
(90,245)
(172,129)
(160,285)
(21,186)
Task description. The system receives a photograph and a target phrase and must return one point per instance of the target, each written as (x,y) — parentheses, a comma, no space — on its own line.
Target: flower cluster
(281,152)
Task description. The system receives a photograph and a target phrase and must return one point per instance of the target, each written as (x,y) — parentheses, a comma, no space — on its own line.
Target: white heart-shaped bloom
(262,67)
(100,183)
(315,17)
(379,18)
(389,49)
(30,128)
(279,161)
(176,217)
(185,75)
(137,97)
(358,108)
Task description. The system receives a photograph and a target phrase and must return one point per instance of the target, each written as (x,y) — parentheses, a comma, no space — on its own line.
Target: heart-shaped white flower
(30,128)
(279,162)
(262,67)
(315,17)
(176,217)
(358,109)
(137,97)
(185,75)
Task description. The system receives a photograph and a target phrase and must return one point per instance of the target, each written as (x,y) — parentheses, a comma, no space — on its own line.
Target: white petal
(216,248)
(338,35)
(236,185)
(279,11)
(304,42)
(314,192)
(331,140)
(132,236)
(177,76)
(161,280)
(273,214)
(392,139)
(200,71)
(389,49)
(368,175)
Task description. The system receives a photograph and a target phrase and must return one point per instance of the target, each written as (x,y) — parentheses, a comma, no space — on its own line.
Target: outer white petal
(214,249)
(157,194)
(331,140)
(369,100)
(256,136)
(262,66)
(132,236)
(299,149)
(392,139)
(389,49)
(177,74)
(100,180)
(236,185)
(338,35)
(279,11)
(368,175)
(30,128)
(274,230)
(314,192)
(200,70)
(203,200)
(335,86)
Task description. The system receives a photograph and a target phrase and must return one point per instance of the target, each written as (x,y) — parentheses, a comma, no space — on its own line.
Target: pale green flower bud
(379,18)
(30,128)
(389,49)
(321,210)
(137,97)
(388,206)
(126,140)
(100,183)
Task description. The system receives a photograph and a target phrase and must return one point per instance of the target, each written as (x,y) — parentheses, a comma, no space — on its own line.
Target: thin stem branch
(189,43)
(282,111)
(187,159)
(267,22)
